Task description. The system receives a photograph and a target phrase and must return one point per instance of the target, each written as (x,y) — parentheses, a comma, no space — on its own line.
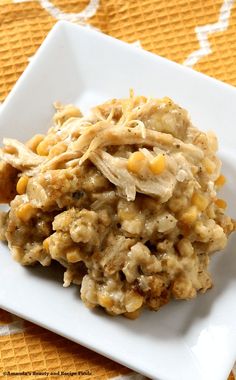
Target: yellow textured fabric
(197,33)
(167,28)
(29,348)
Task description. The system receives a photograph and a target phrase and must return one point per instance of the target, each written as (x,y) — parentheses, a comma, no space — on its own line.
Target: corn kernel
(133,315)
(46,244)
(57,149)
(137,162)
(158,164)
(22,184)
(9,149)
(42,149)
(189,216)
(200,201)
(105,301)
(220,203)
(25,212)
(221,180)
(209,165)
(73,256)
(126,215)
(133,301)
(34,142)
(45,145)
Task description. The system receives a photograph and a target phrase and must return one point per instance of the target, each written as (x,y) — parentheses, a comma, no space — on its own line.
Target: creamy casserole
(125,199)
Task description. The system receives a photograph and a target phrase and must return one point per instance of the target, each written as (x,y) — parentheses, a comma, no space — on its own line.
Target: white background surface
(185,340)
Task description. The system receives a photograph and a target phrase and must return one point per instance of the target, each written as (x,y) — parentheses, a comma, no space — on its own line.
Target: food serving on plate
(124,198)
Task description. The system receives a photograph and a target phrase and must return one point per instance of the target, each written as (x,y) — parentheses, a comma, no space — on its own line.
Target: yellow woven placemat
(197,33)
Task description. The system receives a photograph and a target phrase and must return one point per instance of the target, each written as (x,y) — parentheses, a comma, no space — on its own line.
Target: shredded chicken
(125,199)
(22,157)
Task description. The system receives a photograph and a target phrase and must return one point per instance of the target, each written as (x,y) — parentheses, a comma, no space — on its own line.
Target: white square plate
(185,340)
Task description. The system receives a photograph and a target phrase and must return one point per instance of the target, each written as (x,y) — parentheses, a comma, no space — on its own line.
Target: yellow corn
(22,184)
(46,244)
(189,216)
(43,148)
(105,301)
(57,149)
(9,149)
(126,214)
(158,164)
(45,145)
(209,165)
(220,203)
(137,162)
(73,256)
(221,180)
(133,301)
(25,212)
(34,142)
(133,315)
(200,201)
